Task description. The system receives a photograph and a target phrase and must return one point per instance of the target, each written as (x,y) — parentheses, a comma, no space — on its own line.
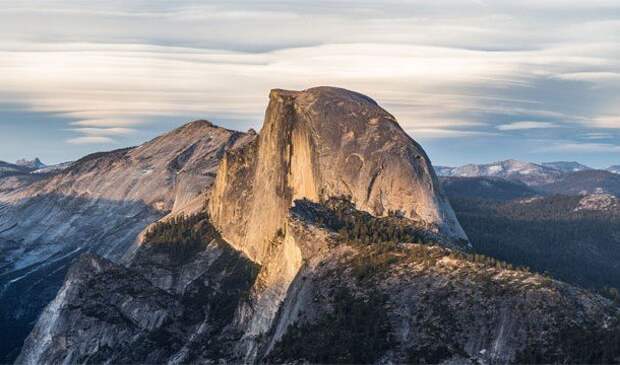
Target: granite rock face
(99,204)
(321,143)
(317,144)
(156,310)
(121,188)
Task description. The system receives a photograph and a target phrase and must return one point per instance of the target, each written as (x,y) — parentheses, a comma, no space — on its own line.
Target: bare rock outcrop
(317,144)
(320,143)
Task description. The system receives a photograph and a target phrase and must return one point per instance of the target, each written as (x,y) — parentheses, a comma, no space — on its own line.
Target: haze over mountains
(327,237)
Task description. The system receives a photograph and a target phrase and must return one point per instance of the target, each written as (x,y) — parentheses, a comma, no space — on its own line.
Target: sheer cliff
(320,143)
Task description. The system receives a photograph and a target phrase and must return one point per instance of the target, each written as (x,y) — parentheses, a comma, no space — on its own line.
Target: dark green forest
(182,237)
(354,226)
(548,236)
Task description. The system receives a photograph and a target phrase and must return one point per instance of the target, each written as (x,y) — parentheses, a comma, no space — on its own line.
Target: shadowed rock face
(100,203)
(320,143)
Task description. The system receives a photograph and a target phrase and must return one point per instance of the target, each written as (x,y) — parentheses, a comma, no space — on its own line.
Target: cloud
(611,122)
(582,147)
(446,133)
(91,135)
(597,135)
(103,131)
(523,125)
(90,140)
(593,76)
(104,122)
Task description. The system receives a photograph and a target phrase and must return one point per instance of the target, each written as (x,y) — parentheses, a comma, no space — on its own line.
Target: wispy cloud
(98,135)
(598,135)
(582,147)
(90,140)
(446,133)
(611,122)
(594,76)
(103,131)
(523,125)
(96,123)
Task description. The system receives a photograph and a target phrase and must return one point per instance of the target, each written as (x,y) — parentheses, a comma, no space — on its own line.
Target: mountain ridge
(527,172)
(101,203)
(561,177)
(31,164)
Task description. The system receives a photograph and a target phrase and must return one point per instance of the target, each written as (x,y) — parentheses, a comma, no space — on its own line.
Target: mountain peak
(195,125)
(614,169)
(321,143)
(323,91)
(33,164)
(566,166)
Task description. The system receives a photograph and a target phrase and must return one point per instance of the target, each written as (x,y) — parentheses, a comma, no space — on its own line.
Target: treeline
(181,237)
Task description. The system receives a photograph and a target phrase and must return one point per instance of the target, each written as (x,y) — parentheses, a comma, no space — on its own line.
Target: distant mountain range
(25,167)
(31,164)
(527,172)
(561,177)
(555,228)
(570,223)
(521,170)
(566,166)
(7,169)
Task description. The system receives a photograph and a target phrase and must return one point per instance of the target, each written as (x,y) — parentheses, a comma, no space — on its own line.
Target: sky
(472,81)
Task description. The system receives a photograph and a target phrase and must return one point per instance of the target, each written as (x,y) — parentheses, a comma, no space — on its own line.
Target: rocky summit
(326,238)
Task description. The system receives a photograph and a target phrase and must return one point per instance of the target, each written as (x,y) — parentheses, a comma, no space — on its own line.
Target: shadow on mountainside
(41,237)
